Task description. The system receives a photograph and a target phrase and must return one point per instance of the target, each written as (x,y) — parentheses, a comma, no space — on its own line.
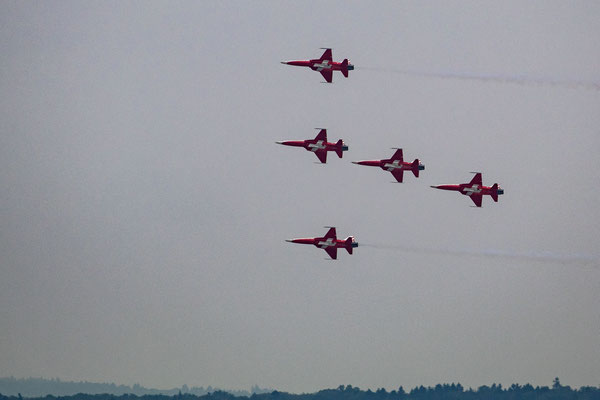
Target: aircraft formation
(396,165)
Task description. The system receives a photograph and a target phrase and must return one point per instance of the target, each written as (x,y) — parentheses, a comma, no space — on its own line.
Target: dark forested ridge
(40,387)
(438,392)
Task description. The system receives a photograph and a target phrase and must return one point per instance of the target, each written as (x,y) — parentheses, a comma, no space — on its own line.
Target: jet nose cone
(279,142)
(355,162)
(289,240)
(284,62)
(435,187)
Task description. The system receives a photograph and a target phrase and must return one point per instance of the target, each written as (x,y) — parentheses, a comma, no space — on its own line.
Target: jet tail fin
(339,148)
(349,244)
(494,193)
(415,167)
(344,67)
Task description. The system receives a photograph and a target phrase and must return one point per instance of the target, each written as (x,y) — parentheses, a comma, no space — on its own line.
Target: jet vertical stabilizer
(416,167)
(494,192)
(350,243)
(340,147)
(344,67)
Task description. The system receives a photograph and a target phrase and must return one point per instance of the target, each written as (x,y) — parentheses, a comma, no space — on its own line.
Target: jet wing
(476,179)
(398,174)
(322,135)
(332,251)
(331,234)
(321,155)
(327,74)
(326,56)
(476,199)
(398,156)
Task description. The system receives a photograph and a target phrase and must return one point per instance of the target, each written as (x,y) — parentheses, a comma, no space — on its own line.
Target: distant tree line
(438,392)
(40,387)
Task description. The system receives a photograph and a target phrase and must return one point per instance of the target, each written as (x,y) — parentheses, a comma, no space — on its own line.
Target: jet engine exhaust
(519,80)
(544,257)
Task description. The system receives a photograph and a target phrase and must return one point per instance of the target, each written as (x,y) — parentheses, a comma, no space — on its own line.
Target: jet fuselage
(469,190)
(319,145)
(315,145)
(325,65)
(330,243)
(396,165)
(475,189)
(318,65)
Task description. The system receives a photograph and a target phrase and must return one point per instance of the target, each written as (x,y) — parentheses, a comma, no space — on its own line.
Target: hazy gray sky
(144,203)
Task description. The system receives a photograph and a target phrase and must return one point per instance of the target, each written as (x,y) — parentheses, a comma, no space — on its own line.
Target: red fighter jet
(319,145)
(395,165)
(325,65)
(330,243)
(475,189)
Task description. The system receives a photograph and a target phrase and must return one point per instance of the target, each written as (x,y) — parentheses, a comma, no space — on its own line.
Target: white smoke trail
(519,80)
(543,257)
